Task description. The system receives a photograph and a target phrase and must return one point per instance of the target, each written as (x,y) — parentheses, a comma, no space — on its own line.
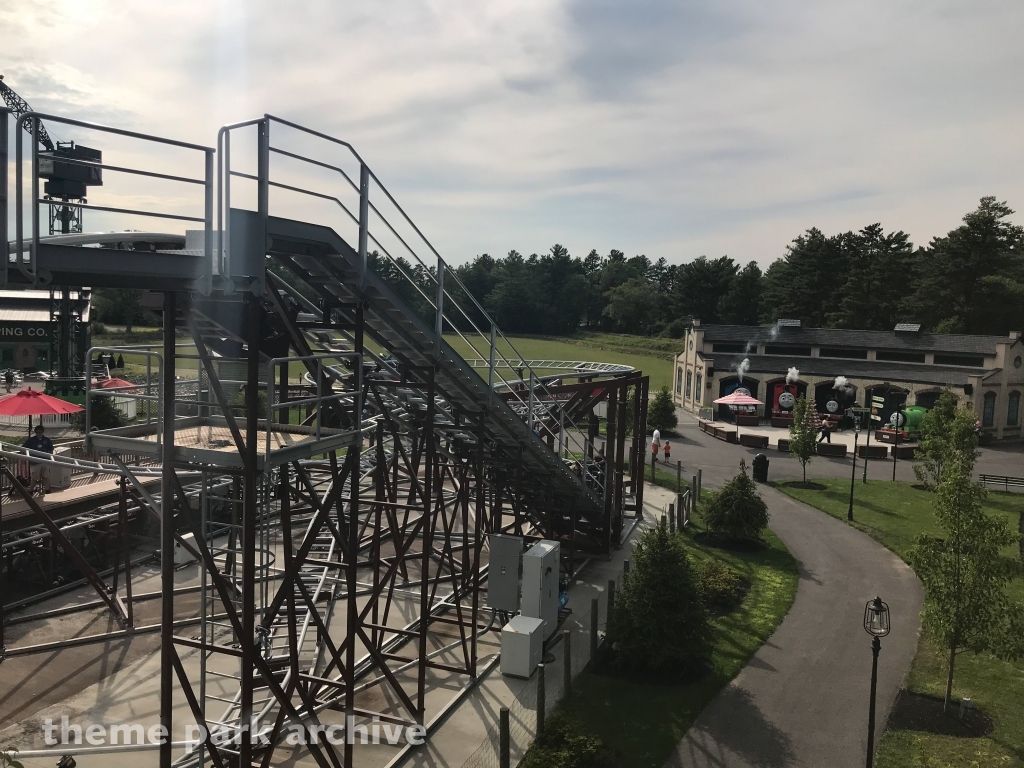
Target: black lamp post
(853,475)
(876,624)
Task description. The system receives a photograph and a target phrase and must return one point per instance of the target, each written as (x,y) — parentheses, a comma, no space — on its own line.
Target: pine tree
(737,509)
(662,413)
(659,624)
(802,433)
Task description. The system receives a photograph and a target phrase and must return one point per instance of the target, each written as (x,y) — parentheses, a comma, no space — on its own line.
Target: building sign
(20,332)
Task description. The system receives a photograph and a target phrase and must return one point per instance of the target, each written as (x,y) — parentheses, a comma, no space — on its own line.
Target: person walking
(826,431)
(655,445)
(666,451)
(8,379)
(39,473)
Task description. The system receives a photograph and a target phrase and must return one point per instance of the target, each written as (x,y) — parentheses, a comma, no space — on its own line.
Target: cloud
(673,129)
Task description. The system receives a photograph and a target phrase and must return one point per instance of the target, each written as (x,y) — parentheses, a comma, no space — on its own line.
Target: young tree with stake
(802,433)
(938,440)
(963,571)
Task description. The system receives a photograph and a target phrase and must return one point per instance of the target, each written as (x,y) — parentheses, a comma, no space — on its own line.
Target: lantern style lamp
(876,624)
(876,618)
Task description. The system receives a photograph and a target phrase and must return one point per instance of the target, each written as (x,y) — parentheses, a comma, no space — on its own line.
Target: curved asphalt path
(802,699)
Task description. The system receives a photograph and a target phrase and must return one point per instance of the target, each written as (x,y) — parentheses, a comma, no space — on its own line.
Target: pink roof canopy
(738,398)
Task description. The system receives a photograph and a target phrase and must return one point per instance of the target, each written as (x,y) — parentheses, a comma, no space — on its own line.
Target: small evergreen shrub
(661,414)
(737,510)
(719,587)
(103,414)
(659,625)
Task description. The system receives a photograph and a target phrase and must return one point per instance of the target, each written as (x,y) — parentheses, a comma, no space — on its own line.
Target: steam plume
(792,376)
(742,368)
(842,383)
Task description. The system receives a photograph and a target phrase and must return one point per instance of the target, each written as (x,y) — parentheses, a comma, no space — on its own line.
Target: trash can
(760,466)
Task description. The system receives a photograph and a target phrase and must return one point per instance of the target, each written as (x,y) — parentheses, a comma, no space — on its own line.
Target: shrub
(737,510)
(103,414)
(719,586)
(564,745)
(659,625)
(662,413)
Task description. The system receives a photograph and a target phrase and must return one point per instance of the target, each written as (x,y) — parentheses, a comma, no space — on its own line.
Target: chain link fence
(578,634)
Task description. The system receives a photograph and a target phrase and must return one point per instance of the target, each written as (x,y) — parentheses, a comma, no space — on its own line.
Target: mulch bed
(920,712)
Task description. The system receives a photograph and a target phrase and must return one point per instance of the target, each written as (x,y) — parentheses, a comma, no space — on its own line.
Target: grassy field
(895,514)
(536,348)
(651,355)
(642,722)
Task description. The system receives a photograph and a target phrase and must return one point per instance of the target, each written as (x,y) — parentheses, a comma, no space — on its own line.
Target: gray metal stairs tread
(391,322)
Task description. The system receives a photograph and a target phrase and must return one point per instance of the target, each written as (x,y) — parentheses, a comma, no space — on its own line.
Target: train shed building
(904,366)
(30,327)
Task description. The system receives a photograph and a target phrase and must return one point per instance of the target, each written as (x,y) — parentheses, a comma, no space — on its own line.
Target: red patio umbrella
(116,383)
(32,402)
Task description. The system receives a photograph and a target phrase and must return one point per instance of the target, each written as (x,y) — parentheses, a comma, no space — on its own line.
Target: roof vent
(783,323)
(907,328)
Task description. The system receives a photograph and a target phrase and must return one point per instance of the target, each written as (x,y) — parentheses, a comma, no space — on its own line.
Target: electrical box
(540,584)
(522,646)
(503,572)
(182,555)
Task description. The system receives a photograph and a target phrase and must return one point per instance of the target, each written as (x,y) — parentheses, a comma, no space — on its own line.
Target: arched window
(679,381)
(988,411)
(689,379)
(699,393)
(1013,409)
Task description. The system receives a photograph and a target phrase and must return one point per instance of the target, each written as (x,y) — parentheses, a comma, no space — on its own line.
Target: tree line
(969,281)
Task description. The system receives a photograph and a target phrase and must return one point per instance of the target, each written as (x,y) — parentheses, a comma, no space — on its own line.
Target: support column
(167,531)
(428,543)
(641,397)
(250,513)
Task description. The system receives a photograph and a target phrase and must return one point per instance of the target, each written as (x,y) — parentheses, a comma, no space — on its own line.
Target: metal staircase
(420,430)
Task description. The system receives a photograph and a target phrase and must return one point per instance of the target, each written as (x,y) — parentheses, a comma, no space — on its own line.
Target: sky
(672,129)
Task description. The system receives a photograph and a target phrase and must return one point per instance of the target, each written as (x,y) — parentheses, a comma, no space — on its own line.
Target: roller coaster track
(404,457)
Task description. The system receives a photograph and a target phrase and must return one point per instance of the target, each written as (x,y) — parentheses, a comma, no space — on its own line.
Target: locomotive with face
(907,420)
(783,397)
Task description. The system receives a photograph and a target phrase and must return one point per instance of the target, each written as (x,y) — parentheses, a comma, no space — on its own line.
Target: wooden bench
(782,421)
(905,451)
(783,445)
(754,441)
(832,450)
(1003,480)
(729,435)
(872,451)
(747,420)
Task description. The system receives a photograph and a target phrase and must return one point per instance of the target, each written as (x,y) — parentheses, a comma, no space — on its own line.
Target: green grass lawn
(643,721)
(895,514)
(536,348)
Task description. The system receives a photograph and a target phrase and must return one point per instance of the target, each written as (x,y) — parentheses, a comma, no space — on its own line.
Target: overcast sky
(675,129)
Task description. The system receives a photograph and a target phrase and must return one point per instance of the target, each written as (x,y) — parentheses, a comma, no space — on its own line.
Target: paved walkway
(802,700)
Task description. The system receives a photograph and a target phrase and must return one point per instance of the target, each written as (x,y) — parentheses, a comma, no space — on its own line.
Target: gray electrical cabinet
(503,572)
(540,584)
(522,646)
